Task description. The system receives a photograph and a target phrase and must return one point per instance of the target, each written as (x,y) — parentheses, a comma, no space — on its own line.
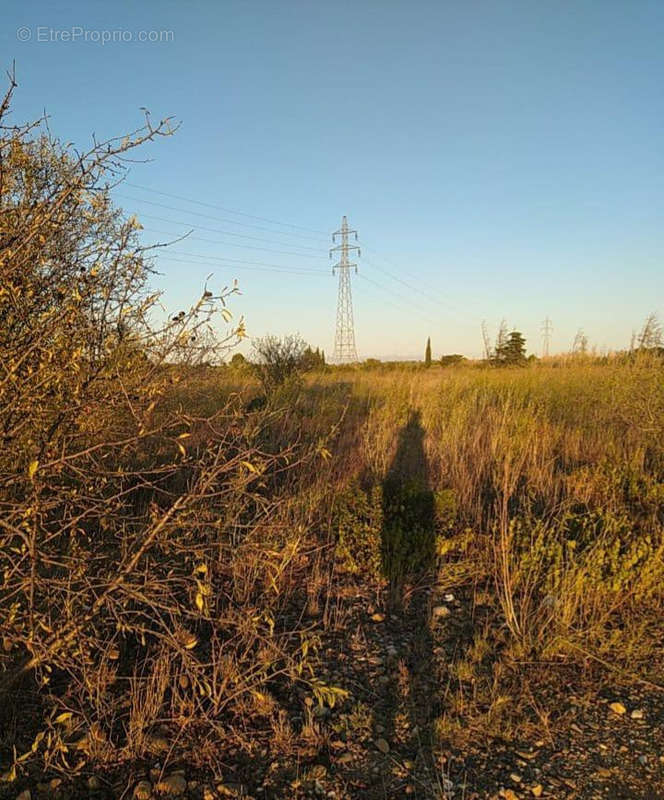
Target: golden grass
(548,485)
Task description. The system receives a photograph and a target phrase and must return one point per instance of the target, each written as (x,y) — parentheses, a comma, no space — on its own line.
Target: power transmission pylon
(344,338)
(547,328)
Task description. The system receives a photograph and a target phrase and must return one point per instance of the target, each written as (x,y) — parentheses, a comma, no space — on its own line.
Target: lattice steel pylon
(344,338)
(547,327)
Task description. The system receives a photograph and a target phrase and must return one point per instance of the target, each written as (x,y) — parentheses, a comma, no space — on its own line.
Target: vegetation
(510,350)
(278,360)
(451,360)
(427,354)
(430,557)
(144,534)
(650,336)
(551,471)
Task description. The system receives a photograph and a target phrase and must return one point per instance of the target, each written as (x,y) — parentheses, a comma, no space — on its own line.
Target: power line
(423,314)
(407,284)
(242,261)
(241,264)
(210,216)
(427,295)
(242,246)
(383,300)
(262,266)
(447,307)
(403,301)
(435,300)
(396,278)
(221,208)
(271,267)
(229,233)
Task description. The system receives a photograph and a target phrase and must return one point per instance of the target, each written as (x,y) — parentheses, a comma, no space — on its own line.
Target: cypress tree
(427,354)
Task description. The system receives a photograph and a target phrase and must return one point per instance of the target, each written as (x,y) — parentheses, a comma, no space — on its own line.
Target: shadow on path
(408,560)
(408,535)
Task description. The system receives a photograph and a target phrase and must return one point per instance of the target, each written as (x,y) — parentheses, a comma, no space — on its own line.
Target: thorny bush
(144,566)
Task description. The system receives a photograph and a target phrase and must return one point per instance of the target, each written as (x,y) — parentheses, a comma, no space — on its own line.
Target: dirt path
(382,743)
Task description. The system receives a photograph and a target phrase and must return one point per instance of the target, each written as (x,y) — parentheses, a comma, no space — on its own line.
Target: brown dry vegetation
(179,573)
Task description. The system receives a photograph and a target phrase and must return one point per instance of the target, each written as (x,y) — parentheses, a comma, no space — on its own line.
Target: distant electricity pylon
(344,338)
(547,328)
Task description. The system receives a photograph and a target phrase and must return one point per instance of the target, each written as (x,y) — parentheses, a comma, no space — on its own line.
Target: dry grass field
(368,582)
(378,584)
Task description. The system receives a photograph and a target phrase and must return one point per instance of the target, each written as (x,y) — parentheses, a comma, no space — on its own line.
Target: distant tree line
(276,360)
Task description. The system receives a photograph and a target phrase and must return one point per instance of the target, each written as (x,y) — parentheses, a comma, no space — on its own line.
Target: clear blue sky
(506,158)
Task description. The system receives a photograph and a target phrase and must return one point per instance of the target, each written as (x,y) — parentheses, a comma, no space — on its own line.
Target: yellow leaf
(63,717)
(249,466)
(190,643)
(181,449)
(200,601)
(9,777)
(37,740)
(200,569)
(32,469)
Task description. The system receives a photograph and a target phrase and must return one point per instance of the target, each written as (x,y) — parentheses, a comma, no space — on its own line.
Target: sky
(499,160)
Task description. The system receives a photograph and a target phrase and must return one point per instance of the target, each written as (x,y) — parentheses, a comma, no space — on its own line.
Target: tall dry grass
(558,480)
(548,483)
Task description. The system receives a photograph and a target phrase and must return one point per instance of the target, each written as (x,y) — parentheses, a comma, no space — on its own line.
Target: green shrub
(358,521)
